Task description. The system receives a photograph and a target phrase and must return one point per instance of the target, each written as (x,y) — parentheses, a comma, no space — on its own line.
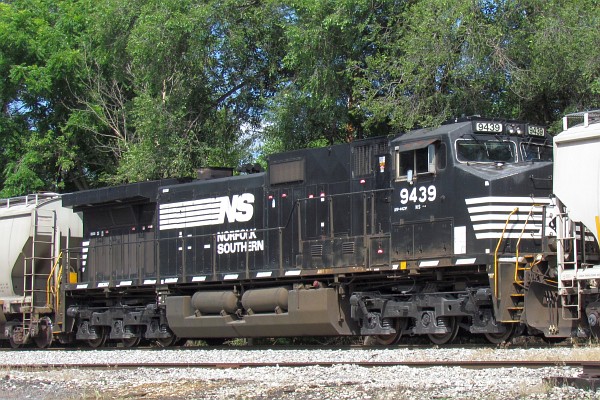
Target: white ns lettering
(241,208)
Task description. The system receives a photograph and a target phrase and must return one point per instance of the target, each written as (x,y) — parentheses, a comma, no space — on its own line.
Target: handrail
(30,199)
(50,275)
(519,244)
(57,285)
(496,251)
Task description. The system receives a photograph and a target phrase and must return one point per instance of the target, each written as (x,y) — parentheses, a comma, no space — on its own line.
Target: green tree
(97,92)
(184,86)
(315,93)
(433,61)
(558,68)
(36,60)
(437,59)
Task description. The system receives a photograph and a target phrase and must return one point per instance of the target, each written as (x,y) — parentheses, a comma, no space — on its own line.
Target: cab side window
(415,162)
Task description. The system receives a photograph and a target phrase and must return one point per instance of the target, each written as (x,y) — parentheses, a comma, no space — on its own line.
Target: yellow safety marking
(402,264)
(598,225)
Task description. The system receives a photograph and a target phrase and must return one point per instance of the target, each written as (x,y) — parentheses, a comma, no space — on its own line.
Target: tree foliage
(104,92)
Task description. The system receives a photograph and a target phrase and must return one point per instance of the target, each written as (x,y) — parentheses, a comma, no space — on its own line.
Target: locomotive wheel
(132,342)
(399,325)
(98,342)
(44,336)
(448,337)
(497,338)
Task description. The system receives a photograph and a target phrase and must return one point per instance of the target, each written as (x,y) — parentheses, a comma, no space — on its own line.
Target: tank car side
(34,228)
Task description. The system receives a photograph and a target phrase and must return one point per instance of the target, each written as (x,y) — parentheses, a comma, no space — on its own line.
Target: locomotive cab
(468,207)
(455,187)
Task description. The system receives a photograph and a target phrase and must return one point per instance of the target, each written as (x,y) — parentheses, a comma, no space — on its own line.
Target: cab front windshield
(485,151)
(536,152)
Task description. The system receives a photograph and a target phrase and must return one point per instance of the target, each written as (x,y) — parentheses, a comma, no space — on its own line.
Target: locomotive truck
(431,232)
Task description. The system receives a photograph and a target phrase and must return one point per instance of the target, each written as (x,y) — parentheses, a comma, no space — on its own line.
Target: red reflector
(362,181)
(270,197)
(380,251)
(284,195)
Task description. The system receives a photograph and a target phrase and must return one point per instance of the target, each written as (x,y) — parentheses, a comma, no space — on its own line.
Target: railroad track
(234,365)
(413,346)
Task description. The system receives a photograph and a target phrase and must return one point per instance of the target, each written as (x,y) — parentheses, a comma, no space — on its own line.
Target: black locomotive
(426,233)
(423,233)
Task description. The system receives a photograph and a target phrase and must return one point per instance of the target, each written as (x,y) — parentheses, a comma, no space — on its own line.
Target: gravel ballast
(336,382)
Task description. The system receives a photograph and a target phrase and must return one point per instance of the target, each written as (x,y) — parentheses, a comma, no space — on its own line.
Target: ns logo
(240,209)
(207,211)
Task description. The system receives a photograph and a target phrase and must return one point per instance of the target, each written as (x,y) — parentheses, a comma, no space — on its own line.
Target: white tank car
(577,188)
(33,229)
(577,168)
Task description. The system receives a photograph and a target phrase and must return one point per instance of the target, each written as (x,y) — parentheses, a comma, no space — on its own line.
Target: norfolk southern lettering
(205,212)
(239,241)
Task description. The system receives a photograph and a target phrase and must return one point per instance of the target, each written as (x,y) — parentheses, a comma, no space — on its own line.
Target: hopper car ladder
(569,287)
(43,249)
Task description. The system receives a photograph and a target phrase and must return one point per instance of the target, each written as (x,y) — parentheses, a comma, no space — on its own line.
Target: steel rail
(296,364)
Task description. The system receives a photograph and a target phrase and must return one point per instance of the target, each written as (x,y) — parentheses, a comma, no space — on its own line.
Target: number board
(492,127)
(535,130)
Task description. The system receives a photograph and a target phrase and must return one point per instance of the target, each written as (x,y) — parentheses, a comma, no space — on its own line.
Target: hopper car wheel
(132,342)
(168,342)
(399,325)
(448,337)
(99,342)
(11,338)
(498,338)
(14,344)
(44,336)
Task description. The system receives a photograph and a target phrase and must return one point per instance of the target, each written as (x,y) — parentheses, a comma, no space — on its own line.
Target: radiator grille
(362,158)
(348,248)
(316,250)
